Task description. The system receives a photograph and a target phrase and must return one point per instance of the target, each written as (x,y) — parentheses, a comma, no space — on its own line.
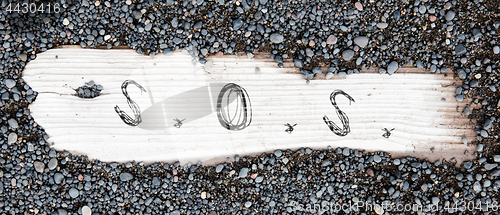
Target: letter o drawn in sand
(242,116)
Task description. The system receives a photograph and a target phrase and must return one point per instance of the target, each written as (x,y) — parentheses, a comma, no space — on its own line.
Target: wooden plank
(420,106)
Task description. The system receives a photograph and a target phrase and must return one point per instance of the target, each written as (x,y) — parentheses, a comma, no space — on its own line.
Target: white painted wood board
(420,107)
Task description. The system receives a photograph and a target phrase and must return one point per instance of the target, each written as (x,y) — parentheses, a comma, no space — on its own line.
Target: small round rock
(86,210)
(73,192)
(358,6)
(39,166)
(52,163)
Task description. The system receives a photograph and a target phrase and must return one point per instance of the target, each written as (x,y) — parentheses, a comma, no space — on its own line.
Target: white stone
(66,21)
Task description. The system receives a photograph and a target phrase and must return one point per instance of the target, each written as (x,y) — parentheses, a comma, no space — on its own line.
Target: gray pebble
(460,50)
(329,75)
(450,15)
(237,24)
(422,9)
(317,70)
(347,54)
(243,172)
(496,50)
(9,83)
(331,40)
(278,153)
(58,178)
(219,168)
(86,210)
(461,74)
(259,179)
(484,133)
(459,98)
(52,164)
(73,192)
(12,138)
(361,41)
(12,123)
(276,38)
(382,25)
(496,158)
(125,176)
(346,152)
(435,200)
(39,166)
(248,204)
(488,124)
(342,74)
(477,187)
(298,63)
(377,158)
(392,68)
(307,74)
(490,166)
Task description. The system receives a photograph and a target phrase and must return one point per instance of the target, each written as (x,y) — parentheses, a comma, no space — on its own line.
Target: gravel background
(343,35)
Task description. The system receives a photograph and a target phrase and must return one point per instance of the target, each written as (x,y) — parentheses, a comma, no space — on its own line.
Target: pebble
(298,63)
(490,166)
(347,54)
(276,38)
(12,138)
(259,179)
(58,177)
(488,124)
(484,133)
(73,192)
(331,40)
(39,166)
(377,158)
(243,172)
(278,153)
(248,204)
(450,15)
(219,168)
(9,83)
(496,49)
(361,41)
(23,57)
(460,50)
(358,6)
(496,158)
(52,164)
(329,75)
(66,21)
(461,74)
(477,187)
(392,68)
(86,210)
(317,70)
(125,176)
(342,74)
(237,23)
(203,195)
(382,25)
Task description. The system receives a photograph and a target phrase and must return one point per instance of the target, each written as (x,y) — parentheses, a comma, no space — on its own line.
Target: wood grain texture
(419,105)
